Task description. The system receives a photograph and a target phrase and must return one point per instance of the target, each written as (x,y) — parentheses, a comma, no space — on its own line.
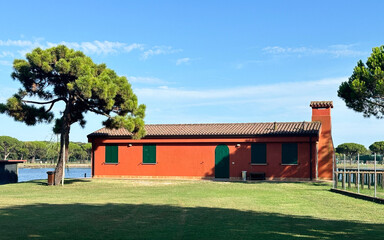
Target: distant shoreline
(37,165)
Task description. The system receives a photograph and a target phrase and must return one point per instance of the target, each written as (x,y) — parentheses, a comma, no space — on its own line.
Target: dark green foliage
(377,147)
(10,147)
(364,91)
(350,149)
(36,150)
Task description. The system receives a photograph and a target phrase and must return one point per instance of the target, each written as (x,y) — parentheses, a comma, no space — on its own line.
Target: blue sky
(206,61)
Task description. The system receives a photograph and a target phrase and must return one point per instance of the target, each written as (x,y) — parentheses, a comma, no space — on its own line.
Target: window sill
(259,164)
(288,164)
(148,163)
(111,163)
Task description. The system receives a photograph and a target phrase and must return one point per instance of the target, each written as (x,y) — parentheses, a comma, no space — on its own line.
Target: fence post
(349,179)
(382,180)
(358,173)
(375,176)
(344,174)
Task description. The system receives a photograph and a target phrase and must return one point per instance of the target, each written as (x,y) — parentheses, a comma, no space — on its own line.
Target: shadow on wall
(326,153)
(143,221)
(8,174)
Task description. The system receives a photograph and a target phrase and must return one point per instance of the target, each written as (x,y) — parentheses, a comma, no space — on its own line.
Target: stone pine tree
(60,74)
(364,90)
(377,147)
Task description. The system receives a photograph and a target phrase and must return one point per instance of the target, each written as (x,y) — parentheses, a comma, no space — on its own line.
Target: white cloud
(279,90)
(5,63)
(146,80)
(157,50)
(5,54)
(182,61)
(17,43)
(89,47)
(134,46)
(282,102)
(340,50)
(99,47)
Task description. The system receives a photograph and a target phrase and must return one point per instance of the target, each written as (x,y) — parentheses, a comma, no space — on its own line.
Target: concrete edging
(359,196)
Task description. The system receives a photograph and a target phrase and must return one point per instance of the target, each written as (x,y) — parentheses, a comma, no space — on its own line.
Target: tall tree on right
(364,90)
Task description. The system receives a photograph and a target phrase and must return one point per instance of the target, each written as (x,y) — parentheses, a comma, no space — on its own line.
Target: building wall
(195,158)
(325,144)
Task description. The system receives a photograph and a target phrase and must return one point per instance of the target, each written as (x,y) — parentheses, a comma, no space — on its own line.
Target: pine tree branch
(48,102)
(99,112)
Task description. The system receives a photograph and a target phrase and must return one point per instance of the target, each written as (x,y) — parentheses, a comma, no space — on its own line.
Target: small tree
(36,149)
(364,91)
(377,147)
(87,147)
(8,146)
(351,149)
(59,74)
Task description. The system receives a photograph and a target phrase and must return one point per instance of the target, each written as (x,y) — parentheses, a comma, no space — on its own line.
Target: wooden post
(336,175)
(344,174)
(358,173)
(375,177)
(349,180)
(382,180)
(369,180)
(362,180)
(343,180)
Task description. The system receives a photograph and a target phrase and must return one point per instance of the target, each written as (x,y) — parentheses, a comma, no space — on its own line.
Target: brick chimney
(321,112)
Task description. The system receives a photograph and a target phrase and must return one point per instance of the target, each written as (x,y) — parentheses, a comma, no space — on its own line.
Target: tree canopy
(364,90)
(351,149)
(9,146)
(60,74)
(377,147)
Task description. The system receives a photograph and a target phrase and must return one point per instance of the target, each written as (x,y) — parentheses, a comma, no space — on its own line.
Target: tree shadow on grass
(143,221)
(66,181)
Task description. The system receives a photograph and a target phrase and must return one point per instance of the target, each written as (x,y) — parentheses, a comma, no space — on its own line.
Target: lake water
(27,174)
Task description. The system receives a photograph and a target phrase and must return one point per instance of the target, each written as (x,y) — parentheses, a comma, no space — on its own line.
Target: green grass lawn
(165,209)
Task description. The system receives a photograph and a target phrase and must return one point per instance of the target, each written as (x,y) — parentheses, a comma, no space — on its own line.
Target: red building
(279,150)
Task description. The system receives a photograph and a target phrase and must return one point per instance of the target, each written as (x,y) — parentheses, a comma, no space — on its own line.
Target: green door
(221,161)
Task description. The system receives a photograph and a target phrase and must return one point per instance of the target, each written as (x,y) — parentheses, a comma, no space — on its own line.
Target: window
(111,154)
(289,153)
(149,154)
(258,153)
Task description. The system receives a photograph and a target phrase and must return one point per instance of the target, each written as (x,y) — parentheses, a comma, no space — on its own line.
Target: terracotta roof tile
(218,129)
(321,104)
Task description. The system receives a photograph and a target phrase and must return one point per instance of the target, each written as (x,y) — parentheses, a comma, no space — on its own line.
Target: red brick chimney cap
(321,104)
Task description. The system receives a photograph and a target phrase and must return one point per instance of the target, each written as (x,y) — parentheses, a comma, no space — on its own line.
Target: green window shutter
(149,153)
(289,153)
(259,153)
(111,154)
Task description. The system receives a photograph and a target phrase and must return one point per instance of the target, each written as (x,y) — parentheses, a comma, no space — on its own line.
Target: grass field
(164,209)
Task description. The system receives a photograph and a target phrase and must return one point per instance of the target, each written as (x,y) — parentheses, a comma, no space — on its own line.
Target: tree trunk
(64,143)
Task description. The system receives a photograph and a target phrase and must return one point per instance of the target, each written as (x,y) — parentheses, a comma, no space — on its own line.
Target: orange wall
(196,158)
(325,145)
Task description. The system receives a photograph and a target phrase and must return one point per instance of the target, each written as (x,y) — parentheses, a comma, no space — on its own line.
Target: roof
(321,104)
(13,161)
(218,130)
